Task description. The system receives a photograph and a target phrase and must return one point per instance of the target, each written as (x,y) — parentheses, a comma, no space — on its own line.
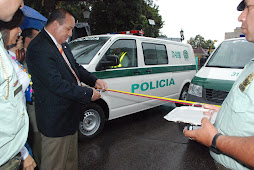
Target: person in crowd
(13,115)
(34,138)
(58,94)
(232,137)
(28,35)
(123,58)
(10,34)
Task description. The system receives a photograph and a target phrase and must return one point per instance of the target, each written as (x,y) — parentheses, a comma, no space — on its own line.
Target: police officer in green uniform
(13,114)
(232,138)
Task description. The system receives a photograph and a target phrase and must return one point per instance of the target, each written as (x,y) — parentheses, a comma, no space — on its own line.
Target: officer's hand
(212,109)
(204,134)
(96,95)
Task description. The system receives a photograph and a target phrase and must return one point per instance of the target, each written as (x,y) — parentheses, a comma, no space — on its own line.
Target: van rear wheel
(183,95)
(92,121)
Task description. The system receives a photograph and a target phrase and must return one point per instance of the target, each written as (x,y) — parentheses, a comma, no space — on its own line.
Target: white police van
(133,64)
(214,80)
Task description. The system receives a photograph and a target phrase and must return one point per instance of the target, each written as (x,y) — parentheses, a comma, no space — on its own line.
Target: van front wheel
(183,95)
(92,121)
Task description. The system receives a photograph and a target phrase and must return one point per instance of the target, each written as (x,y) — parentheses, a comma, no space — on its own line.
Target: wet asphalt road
(143,141)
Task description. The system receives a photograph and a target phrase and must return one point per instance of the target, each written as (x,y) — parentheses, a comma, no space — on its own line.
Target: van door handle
(149,71)
(137,72)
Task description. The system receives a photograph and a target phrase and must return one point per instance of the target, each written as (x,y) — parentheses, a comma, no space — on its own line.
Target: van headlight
(195,90)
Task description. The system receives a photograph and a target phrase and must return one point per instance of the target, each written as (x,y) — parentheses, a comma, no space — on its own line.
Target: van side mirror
(107,61)
(202,61)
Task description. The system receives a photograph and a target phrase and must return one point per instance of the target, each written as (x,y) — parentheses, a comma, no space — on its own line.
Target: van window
(84,49)
(232,54)
(154,54)
(126,50)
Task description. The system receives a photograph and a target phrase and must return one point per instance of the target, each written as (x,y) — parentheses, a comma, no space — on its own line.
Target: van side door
(121,77)
(158,80)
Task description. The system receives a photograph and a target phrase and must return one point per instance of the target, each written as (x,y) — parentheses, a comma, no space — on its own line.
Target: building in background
(236,34)
(199,53)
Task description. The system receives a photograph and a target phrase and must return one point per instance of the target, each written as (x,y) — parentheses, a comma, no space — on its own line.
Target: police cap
(241,6)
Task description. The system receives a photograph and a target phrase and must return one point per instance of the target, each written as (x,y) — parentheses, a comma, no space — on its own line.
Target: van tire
(183,95)
(92,121)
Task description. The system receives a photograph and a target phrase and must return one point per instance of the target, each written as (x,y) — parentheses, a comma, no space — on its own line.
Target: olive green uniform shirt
(236,116)
(13,114)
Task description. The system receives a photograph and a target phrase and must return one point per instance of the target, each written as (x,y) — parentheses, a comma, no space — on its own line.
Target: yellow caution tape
(159,98)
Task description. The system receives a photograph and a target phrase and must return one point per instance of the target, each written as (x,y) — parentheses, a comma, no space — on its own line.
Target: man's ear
(55,25)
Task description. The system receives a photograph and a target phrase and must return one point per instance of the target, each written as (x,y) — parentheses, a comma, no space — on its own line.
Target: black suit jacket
(58,98)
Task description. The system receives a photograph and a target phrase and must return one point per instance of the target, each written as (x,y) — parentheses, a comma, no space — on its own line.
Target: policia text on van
(134,64)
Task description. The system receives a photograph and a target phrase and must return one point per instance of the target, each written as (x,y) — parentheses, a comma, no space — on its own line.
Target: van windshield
(84,49)
(232,54)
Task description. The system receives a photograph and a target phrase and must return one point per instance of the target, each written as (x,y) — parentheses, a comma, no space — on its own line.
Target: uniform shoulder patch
(245,84)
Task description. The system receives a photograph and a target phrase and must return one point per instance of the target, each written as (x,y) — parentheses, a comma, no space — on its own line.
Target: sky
(209,18)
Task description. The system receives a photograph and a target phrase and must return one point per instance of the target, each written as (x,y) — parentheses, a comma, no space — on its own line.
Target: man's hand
(29,163)
(204,134)
(100,84)
(96,95)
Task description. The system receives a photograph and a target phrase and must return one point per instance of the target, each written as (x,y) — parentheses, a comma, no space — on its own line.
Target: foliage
(199,41)
(76,8)
(42,6)
(151,12)
(46,6)
(108,16)
(149,2)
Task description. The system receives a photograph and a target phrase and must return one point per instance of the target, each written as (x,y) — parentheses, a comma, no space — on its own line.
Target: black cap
(241,6)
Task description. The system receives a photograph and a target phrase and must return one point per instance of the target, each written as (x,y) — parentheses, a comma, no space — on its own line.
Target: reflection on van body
(214,80)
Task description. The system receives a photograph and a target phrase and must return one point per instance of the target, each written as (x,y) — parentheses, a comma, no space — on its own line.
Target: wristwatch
(213,146)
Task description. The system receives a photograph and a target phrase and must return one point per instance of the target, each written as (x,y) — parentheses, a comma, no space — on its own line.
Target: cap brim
(241,6)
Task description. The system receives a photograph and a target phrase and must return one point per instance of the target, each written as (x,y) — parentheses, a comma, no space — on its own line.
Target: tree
(199,41)
(108,16)
(46,6)
(149,2)
(151,12)
(76,8)
(42,6)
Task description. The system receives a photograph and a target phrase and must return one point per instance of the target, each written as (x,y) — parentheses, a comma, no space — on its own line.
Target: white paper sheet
(189,114)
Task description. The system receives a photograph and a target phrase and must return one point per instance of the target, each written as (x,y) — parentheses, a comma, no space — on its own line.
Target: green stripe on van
(114,73)
(223,85)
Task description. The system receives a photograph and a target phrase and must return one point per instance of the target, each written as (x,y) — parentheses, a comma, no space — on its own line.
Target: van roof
(115,36)
(232,39)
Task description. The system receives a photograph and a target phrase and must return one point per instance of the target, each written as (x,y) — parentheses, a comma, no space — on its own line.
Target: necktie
(68,63)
